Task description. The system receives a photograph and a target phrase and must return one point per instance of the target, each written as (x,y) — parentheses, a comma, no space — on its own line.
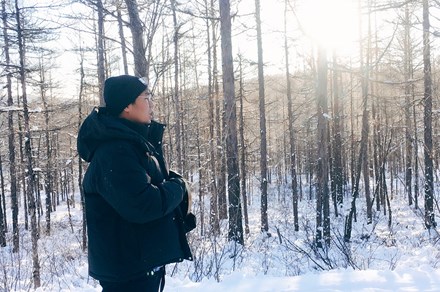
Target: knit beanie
(120,91)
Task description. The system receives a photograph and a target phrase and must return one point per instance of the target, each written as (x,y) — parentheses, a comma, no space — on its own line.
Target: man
(134,205)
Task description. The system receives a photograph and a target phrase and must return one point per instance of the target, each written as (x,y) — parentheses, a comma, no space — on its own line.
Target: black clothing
(149,283)
(133,224)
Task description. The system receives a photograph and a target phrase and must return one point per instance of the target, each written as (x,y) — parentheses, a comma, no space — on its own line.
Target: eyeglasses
(148,95)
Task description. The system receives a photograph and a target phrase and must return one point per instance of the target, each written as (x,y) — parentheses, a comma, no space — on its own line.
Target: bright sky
(332,24)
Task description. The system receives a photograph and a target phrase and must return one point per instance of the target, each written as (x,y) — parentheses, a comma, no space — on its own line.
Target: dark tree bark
(2,206)
(137,31)
(408,128)
(11,136)
(235,216)
(416,151)
(337,166)
(122,37)
(292,152)
(365,119)
(242,144)
(322,189)
(427,119)
(28,151)
(178,112)
(363,147)
(100,51)
(262,111)
(48,184)
(80,164)
(214,216)
(220,126)
(22,167)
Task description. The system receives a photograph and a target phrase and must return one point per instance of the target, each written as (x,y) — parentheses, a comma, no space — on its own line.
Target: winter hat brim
(120,91)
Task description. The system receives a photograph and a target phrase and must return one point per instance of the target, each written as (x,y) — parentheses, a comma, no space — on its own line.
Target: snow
(336,280)
(403,257)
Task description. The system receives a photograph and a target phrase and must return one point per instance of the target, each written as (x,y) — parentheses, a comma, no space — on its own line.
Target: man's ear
(126,111)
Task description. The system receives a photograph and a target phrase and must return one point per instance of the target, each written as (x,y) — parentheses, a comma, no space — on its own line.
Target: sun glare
(332,24)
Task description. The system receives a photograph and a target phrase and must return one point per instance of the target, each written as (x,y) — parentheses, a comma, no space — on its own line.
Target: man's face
(141,111)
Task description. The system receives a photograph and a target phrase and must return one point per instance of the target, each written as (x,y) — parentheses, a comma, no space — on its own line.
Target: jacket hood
(99,128)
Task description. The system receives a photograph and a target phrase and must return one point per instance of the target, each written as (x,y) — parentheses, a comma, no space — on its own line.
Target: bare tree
(122,37)
(48,179)
(177,103)
(242,144)
(137,31)
(235,216)
(28,151)
(80,163)
(262,111)
(363,151)
(292,152)
(214,213)
(11,136)
(408,71)
(220,123)
(365,74)
(427,98)
(100,51)
(322,189)
(337,173)
(2,206)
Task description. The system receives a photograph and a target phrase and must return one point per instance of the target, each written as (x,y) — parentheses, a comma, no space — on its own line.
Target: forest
(321,114)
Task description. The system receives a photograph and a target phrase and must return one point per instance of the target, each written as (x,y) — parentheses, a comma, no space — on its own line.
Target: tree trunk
(235,215)
(49,170)
(28,152)
(201,179)
(220,126)
(322,189)
(262,111)
(100,49)
(427,138)
(214,215)
(337,170)
(122,38)
(291,119)
(80,165)
(242,143)
(11,136)
(137,32)
(22,167)
(178,120)
(416,154)
(408,127)
(365,127)
(2,207)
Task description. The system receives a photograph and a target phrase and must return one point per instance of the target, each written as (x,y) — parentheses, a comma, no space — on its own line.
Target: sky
(335,30)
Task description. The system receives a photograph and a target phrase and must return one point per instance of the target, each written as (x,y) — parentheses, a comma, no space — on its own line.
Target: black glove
(180,182)
(173,174)
(189,222)
(188,218)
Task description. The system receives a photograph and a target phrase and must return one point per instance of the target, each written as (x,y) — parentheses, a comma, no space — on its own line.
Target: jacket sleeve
(125,185)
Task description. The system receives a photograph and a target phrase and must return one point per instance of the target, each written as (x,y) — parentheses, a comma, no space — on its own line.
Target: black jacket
(134,223)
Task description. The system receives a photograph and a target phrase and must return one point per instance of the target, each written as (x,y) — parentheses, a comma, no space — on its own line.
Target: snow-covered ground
(403,257)
(336,280)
